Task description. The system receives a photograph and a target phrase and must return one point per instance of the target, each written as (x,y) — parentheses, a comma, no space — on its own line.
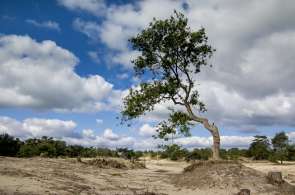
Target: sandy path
(287,169)
(66,176)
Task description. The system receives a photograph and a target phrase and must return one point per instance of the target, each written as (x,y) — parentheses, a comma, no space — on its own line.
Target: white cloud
(88,133)
(108,139)
(49,127)
(99,121)
(124,58)
(147,130)
(226,141)
(123,21)
(94,56)
(122,76)
(253,64)
(40,75)
(90,29)
(46,24)
(110,135)
(12,127)
(95,7)
(291,136)
(36,127)
(66,130)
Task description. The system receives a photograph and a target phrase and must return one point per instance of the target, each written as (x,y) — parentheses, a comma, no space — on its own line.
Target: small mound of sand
(229,175)
(114,163)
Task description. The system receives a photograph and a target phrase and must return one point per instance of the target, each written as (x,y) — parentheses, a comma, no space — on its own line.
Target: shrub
(9,146)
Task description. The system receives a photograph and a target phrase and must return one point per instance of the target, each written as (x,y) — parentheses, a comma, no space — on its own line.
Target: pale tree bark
(212,128)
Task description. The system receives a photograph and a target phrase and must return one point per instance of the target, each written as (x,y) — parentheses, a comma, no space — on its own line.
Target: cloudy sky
(65,66)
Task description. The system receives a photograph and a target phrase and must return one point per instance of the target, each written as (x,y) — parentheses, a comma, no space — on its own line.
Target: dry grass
(115,163)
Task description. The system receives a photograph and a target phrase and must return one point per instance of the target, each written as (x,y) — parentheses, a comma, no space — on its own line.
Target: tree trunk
(211,128)
(216,138)
(275,177)
(216,145)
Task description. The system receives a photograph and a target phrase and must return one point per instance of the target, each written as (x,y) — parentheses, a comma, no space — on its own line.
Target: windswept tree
(259,148)
(172,55)
(280,143)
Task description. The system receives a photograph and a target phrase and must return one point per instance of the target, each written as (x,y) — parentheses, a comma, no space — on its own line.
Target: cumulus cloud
(49,127)
(122,76)
(36,127)
(108,139)
(95,7)
(147,130)
(250,82)
(46,24)
(94,56)
(88,133)
(122,22)
(110,135)
(88,28)
(40,75)
(99,121)
(291,136)
(12,127)
(67,131)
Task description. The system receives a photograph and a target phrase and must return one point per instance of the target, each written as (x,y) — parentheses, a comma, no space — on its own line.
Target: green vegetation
(9,146)
(280,149)
(173,152)
(199,154)
(171,56)
(48,147)
(280,146)
(260,149)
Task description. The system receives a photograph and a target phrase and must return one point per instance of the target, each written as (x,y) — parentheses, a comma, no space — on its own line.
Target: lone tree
(280,144)
(171,57)
(260,147)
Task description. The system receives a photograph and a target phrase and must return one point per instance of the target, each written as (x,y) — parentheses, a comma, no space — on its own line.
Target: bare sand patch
(287,169)
(68,176)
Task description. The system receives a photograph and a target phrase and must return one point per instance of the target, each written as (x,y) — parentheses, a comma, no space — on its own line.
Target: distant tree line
(48,147)
(277,149)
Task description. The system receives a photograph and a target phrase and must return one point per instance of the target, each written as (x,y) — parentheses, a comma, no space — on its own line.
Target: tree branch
(211,127)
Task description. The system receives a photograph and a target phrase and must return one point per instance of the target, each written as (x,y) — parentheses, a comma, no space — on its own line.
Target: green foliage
(280,146)
(173,152)
(260,148)
(199,154)
(171,55)
(235,153)
(143,99)
(46,147)
(9,146)
(106,152)
(291,152)
(176,120)
(27,150)
(129,154)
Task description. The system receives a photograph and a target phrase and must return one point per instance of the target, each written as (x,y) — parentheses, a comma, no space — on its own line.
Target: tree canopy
(172,54)
(260,147)
(280,146)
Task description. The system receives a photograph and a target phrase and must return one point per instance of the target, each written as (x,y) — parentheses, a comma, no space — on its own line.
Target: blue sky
(66,65)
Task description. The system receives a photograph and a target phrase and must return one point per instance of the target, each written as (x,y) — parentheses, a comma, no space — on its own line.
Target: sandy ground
(67,176)
(287,169)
